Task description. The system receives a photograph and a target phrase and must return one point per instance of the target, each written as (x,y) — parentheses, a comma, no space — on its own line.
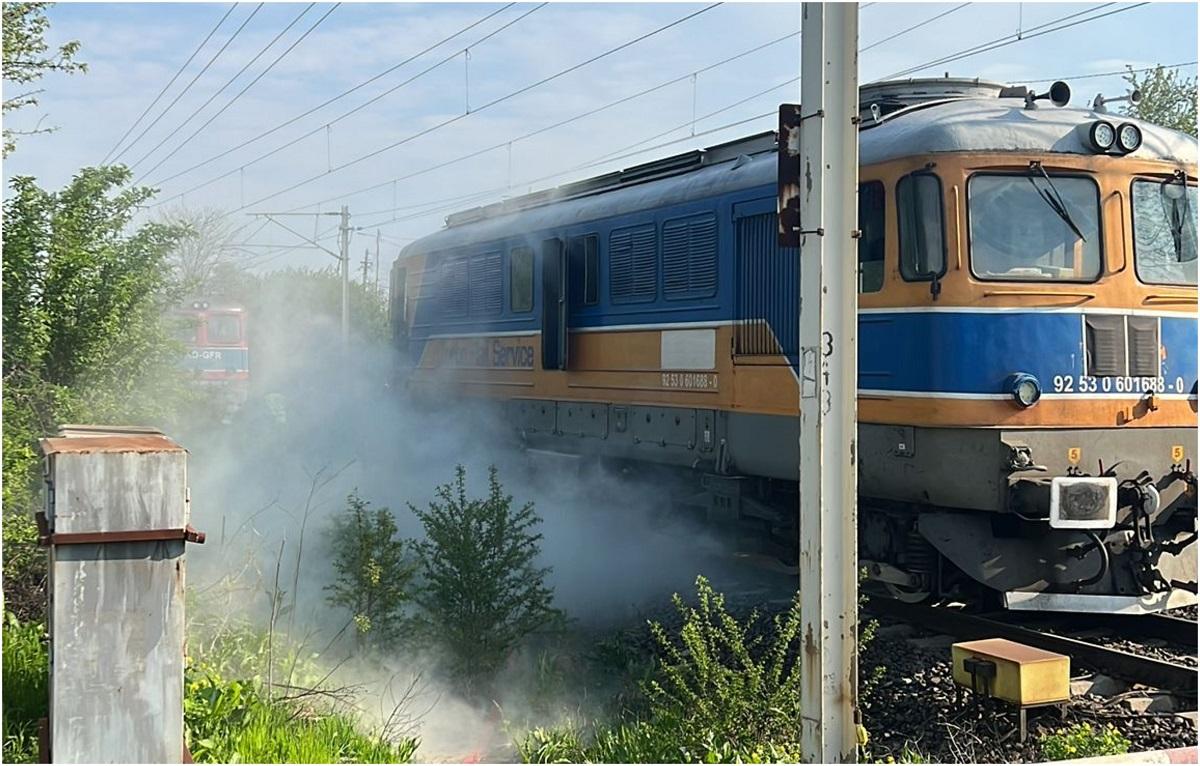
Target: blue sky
(133,49)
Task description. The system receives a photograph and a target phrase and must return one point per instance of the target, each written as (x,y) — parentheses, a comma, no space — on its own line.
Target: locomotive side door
(554,305)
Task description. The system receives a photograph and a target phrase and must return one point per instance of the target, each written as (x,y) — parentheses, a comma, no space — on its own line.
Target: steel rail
(1175,630)
(1161,674)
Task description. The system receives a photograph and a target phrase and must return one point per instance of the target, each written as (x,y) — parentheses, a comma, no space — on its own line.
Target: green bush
(373,572)
(481,593)
(1082,741)
(724,693)
(26,687)
(725,682)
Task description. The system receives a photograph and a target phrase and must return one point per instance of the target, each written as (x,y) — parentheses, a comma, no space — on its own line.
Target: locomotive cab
(1047,375)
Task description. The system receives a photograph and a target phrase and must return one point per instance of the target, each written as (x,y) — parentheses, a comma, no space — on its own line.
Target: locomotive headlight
(1129,137)
(1025,389)
(1102,135)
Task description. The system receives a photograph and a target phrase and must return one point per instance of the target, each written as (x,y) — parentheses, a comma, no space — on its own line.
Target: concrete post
(828,220)
(116,523)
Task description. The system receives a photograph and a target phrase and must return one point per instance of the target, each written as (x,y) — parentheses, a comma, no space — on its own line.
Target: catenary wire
(329,101)
(192,82)
(1014,39)
(171,82)
(913,28)
(358,108)
(242,92)
(493,102)
(220,90)
(1094,75)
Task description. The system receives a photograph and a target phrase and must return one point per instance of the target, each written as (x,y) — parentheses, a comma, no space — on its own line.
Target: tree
(373,572)
(481,592)
(25,60)
(201,253)
(83,300)
(1167,99)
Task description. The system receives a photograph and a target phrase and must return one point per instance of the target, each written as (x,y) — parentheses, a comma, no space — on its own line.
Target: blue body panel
(915,351)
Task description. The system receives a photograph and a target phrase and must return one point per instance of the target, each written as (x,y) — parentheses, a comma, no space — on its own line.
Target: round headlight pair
(1104,136)
(1025,389)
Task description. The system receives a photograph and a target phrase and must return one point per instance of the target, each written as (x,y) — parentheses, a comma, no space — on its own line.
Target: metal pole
(377,261)
(828,380)
(345,256)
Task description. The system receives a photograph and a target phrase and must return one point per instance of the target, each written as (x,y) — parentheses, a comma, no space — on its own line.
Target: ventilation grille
(1105,345)
(1143,347)
(453,292)
(634,264)
(487,297)
(1120,346)
(767,281)
(690,257)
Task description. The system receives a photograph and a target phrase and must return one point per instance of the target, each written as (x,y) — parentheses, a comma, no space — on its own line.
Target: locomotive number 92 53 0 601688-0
(1089,384)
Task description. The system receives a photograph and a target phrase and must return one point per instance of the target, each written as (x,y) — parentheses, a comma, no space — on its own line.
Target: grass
(26,688)
(234,722)
(227,719)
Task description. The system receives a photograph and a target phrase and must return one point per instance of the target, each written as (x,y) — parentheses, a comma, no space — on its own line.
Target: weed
(1082,741)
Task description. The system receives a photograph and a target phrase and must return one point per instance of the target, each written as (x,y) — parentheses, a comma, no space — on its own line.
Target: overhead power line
(171,82)
(192,82)
(1094,75)
(913,28)
(570,120)
(360,107)
(224,85)
(1002,42)
(488,105)
(576,118)
(327,102)
(248,86)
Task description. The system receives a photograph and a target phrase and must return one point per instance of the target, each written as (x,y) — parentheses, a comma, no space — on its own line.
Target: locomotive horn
(1134,97)
(1059,95)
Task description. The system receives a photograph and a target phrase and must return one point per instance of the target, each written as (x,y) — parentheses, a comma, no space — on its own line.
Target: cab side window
(922,246)
(520,264)
(870,243)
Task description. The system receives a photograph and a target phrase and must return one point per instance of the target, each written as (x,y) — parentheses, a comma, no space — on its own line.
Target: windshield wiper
(1172,194)
(1055,201)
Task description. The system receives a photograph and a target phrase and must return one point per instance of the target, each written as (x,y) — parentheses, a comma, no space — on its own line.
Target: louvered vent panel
(453,292)
(767,319)
(690,257)
(1143,347)
(486,285)
(1105,345)
(634,265)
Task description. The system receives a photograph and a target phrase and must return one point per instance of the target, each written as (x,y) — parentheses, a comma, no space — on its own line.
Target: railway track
(1162,674)
(1175,630)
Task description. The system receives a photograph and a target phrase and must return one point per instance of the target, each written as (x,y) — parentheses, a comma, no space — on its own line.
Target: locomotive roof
(958,125)
(1006,125)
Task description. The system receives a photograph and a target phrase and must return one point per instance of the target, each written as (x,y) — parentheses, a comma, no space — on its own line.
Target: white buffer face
(1083,502)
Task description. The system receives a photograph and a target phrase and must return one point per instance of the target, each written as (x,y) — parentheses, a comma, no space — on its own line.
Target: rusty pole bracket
(45,537)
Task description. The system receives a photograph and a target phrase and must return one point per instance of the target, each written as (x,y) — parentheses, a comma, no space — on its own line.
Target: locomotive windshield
(1164,232)
(1027,228)
(224,328)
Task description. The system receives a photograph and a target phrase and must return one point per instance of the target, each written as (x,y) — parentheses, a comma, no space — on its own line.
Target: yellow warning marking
(1073,455)
(1177,453)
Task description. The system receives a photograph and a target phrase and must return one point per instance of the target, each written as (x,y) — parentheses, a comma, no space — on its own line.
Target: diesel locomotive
(1027,339)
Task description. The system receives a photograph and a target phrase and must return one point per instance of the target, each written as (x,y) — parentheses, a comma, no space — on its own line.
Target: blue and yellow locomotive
(1027,330)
